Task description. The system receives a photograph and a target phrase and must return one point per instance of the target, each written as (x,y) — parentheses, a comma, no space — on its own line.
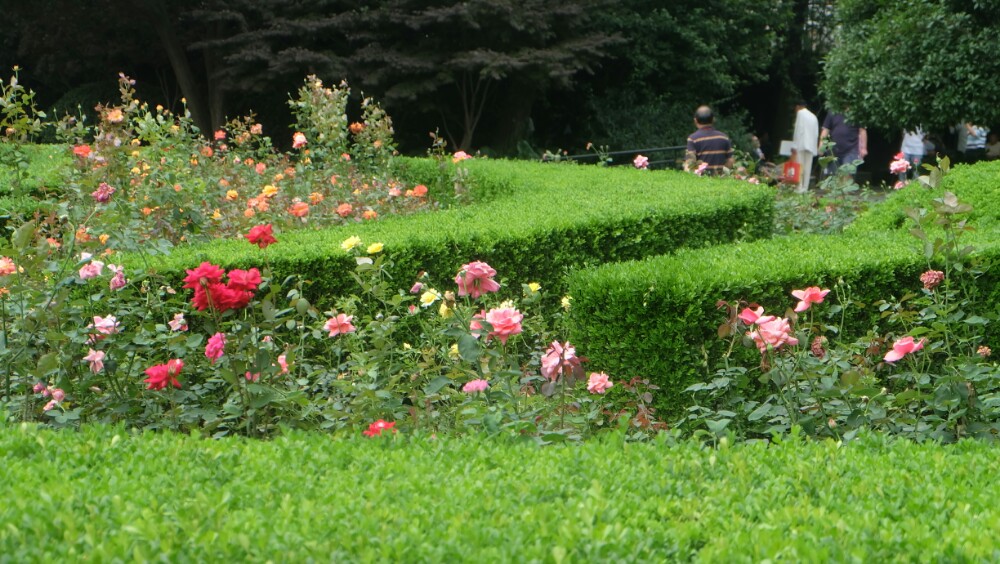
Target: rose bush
(923,372)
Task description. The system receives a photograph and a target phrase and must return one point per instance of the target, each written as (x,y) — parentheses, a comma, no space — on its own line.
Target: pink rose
(103,193)
(900,165)
(751,316)
(339,324)
(178,323)
(598,383)
(476,279)
(118,280)
(809,296)
(775,333)
(58,395)
(215,347)
(505,321)
(932,279)
(559,358)
(96,360)
(475,326)
(106,325)
(7,266)
(903,347)
(475,386)
(641,162)
(92,269)
(283,363)
(298,140)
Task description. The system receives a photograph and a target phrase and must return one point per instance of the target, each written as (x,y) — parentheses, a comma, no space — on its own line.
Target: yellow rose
(453,351)
(232,195)
(269,190)
(350,242)
(429,297)
(374,248)
(534,286)
(216,214)
(565,302)
(445,311)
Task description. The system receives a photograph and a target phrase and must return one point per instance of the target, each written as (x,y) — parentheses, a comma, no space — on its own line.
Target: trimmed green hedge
(978,186)
(44,162)
(657,318)
(532,222)
(103,494)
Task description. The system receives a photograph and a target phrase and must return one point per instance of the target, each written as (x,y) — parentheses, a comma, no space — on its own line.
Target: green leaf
(436,385)
(267,309)
(23,236)
(760,412)
(47,363)
(468,348)
(719,426)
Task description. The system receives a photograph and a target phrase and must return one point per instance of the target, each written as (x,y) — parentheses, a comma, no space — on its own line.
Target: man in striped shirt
(708,149)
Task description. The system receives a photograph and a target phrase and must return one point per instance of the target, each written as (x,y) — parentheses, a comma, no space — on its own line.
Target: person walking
(850,142)
(707,146)
(913,152)
(975,144)
(805,143)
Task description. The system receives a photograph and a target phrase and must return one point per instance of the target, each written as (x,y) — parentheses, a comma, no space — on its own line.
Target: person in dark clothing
(708,149)
(850,141)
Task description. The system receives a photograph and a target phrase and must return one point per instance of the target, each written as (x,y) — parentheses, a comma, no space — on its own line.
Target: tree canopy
(489,73)
(932,63)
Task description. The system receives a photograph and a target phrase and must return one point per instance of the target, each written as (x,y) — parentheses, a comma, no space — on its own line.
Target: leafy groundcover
(104,494)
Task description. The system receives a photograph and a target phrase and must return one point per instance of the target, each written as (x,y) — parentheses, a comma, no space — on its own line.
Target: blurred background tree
(933,63)
(508,76)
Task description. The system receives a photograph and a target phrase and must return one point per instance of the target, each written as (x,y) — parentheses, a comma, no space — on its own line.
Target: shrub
(535,222)
(104,492)
(651,318)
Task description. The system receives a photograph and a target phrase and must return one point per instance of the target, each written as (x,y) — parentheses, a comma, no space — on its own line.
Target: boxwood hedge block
(44,165)
(657,317)
(978,186)
(531,221)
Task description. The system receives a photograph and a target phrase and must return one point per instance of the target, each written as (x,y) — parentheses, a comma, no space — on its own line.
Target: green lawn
(103,494)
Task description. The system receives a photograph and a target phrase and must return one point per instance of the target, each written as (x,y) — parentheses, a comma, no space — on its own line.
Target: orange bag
(790,172)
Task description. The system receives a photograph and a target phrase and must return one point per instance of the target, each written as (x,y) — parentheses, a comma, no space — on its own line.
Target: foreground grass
(104,494)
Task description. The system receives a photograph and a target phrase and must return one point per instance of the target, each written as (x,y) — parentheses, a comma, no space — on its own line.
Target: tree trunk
(512,116)
(216,94)
(159,17)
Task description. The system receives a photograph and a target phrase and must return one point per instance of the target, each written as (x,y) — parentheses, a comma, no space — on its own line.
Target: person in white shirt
(975,144)
(913,151)
(805,143)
